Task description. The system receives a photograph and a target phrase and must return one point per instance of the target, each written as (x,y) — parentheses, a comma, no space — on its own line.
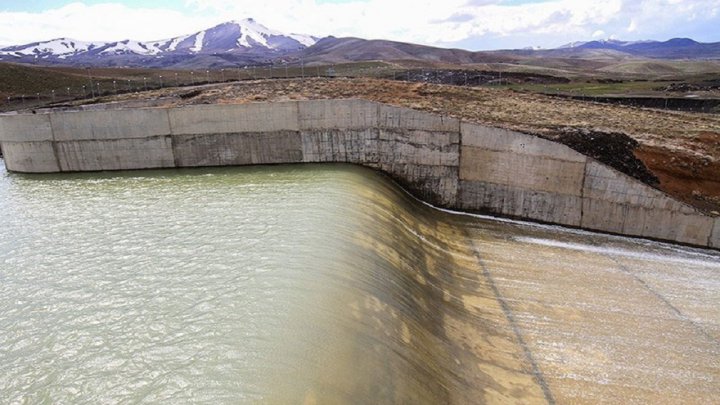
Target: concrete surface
(25,128)
(520,202)
(613,202)
(513,174)
(522,171)
(219,119)
(419,147)
(337,114)
(437,185)
(391,117)
(335,145)
(439,159)
(116,154)
(30,157)
(715,236)
(503,140)
(110,124)
(237,149)
(605,321)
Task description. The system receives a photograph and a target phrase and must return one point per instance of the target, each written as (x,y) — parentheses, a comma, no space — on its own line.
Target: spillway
(329,284)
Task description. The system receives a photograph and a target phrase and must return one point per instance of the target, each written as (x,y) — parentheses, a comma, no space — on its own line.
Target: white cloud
(448,22)
(102,22)
(633,26)
(471,23)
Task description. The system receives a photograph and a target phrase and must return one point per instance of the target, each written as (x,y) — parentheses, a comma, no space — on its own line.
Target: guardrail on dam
(440,159)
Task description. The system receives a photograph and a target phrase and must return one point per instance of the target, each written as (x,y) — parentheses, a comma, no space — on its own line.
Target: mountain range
(676,48)
(245,40)
(249,42)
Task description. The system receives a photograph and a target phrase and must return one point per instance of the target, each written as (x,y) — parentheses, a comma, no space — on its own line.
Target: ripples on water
(216,285)
(293,284)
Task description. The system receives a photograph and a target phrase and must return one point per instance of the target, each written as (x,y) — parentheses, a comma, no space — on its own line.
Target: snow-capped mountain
(238,38)
(60,47)
(676,48)
(232,37)
(602,43)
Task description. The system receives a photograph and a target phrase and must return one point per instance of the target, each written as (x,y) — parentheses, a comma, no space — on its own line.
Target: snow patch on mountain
(235,37)
(174,42)
(254,29)
(253,34)
(199,38)
(608,41)
(60,47)
(130,47)
(246,34)
(306,40)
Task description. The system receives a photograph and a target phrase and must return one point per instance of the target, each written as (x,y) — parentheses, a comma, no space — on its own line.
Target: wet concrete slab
(607,320)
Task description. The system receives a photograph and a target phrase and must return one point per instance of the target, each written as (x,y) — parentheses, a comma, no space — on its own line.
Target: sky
(467,24)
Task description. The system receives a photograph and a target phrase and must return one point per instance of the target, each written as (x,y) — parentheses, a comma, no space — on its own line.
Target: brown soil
(693,179)
(680,149)
(612,148)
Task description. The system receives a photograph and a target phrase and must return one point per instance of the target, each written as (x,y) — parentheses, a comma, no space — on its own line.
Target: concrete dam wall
(440,159)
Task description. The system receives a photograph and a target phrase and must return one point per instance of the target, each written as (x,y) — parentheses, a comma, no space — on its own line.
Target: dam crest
(440,159)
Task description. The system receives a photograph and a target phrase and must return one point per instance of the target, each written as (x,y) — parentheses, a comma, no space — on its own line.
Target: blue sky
(469,24)
(37,6)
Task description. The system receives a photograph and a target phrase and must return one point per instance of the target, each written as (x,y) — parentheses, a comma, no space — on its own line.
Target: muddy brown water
(328,284)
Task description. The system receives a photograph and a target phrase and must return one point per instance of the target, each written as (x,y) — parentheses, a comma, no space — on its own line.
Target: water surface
(328,284)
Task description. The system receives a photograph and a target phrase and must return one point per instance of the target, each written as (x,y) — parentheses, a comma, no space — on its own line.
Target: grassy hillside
(20,79)
(24,86)
(30,83)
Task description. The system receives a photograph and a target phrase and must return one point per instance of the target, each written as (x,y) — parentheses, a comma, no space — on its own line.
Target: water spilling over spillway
(328,284)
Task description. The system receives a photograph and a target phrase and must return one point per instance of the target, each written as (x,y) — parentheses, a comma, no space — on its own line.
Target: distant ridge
(338,50)
(246,41)
(676,48)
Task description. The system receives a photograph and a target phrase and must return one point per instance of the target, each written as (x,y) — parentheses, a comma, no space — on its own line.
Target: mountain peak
(244,21)
(681,42)
(675,48)
(245,37)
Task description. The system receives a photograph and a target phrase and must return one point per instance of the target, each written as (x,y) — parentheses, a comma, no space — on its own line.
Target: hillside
(338,50)
(30,83)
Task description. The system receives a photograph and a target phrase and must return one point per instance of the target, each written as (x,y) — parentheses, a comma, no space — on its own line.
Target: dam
(227,272)
(441,160)
(327,284)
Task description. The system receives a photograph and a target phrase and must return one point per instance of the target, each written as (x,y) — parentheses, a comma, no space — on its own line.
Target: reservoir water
(328,284)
